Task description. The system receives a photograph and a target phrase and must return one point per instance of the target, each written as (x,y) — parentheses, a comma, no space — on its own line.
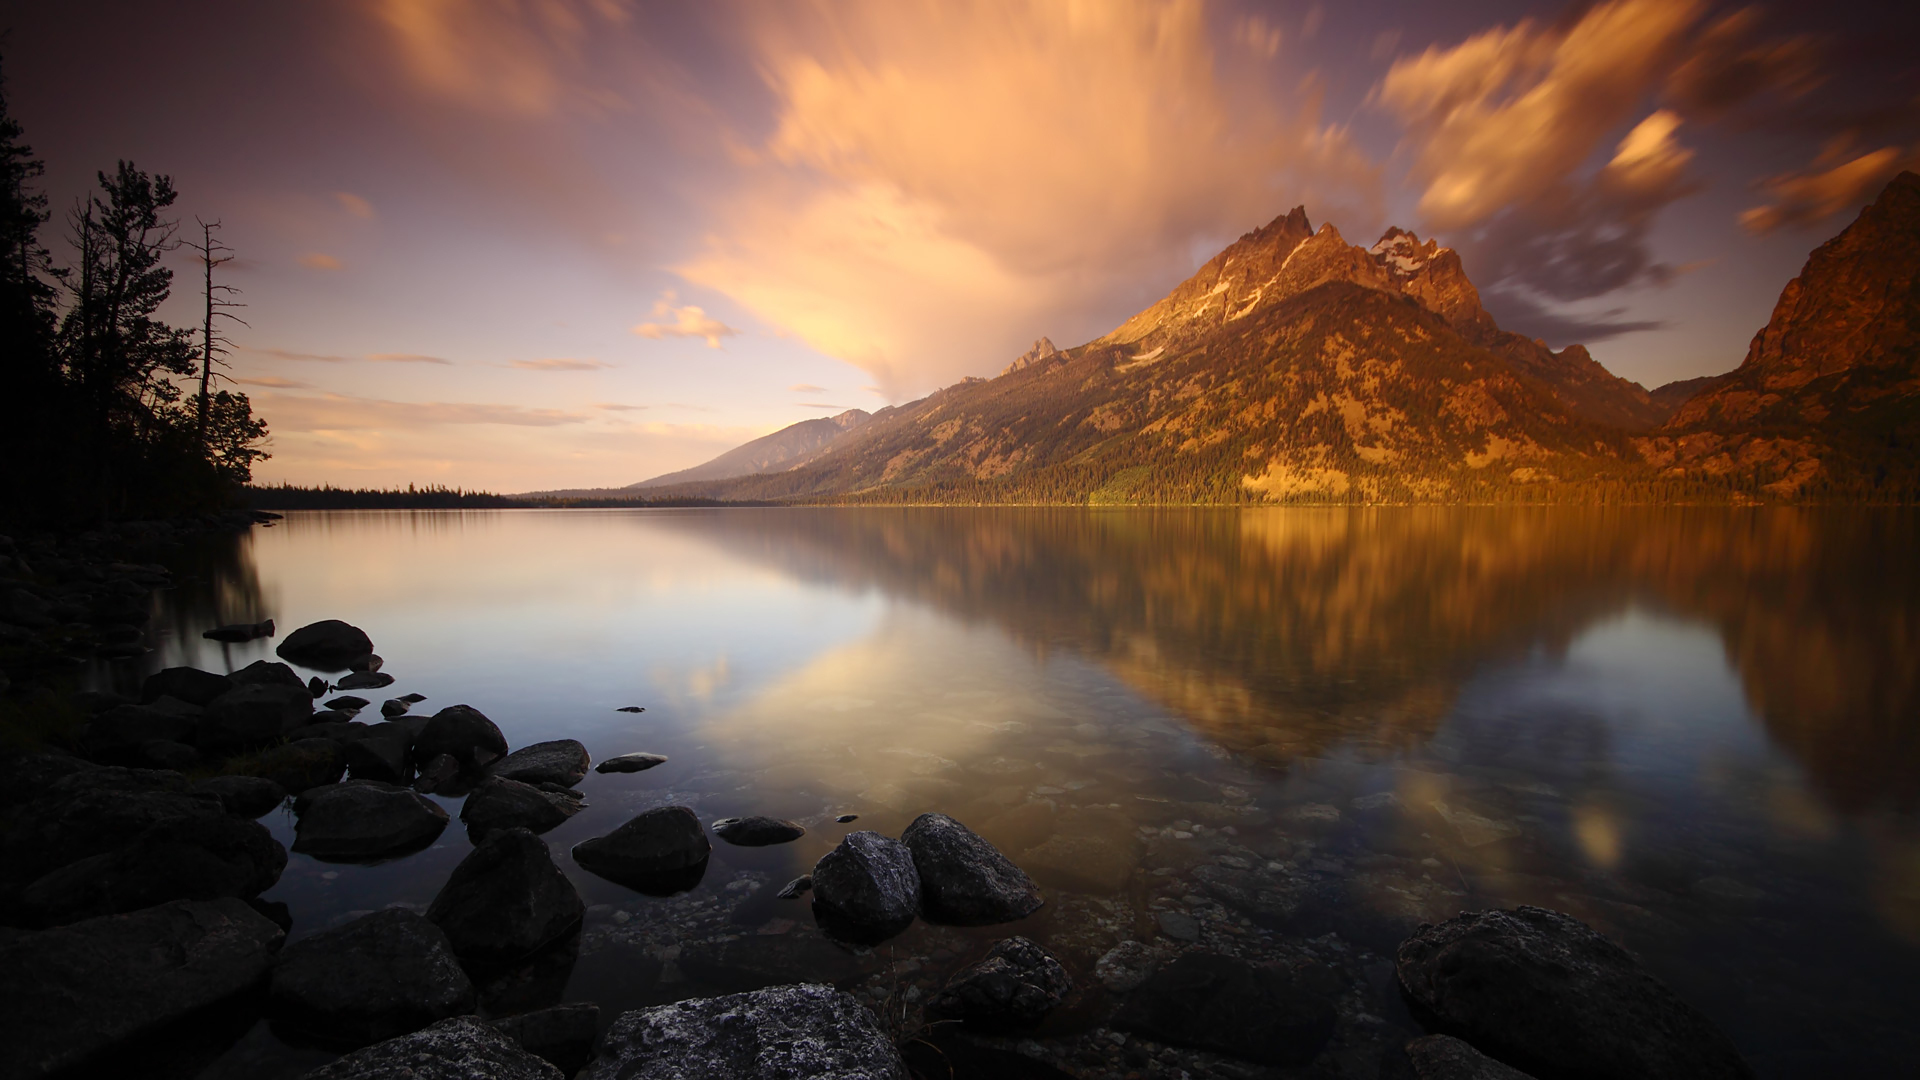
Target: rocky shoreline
(133,867)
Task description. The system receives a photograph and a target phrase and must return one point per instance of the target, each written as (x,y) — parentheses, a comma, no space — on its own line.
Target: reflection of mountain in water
(1283,633)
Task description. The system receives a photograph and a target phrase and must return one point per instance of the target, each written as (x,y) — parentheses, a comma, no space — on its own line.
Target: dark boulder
(439,776)
(267,673)
(234,633)
(364,680)
(186,684)
(250,715)
(381,975)
(385,759)
(94,812)
(499,803)
(1443,1057)
(70,994)
(369,662)
(317,687)
(561,761)
(792,890)
(328,724)
(866,890)
(328,645)
(636,762)
(965,881)
(1268,1014)
(1541,991)
(118,733)
(394,707)
(1016,985)
(799,1032)
(562,1035)
(460,1048)
(244,796)
(162,754)
(506,900)
(654,852)
(29,776)
(362,821)
(463,733)
(757,831)
(203,858)
(347,703)
(297,766)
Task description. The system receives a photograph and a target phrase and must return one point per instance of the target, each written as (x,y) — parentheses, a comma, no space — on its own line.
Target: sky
(534,244)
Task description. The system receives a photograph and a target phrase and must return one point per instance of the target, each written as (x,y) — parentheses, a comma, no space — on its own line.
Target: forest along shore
(135,860)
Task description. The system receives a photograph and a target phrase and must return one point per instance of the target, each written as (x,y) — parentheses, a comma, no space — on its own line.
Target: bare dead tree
(213,344)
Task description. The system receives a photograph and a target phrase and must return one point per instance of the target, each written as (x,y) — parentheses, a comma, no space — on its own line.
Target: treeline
(432,497)
(108,411)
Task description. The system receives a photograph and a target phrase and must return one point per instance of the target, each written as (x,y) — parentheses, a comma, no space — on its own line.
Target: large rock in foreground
(463,1048)
(202,858)
(381,975)
(800,1032)
(499,803)
(1016,985)
(1543,992)
(561,1034)
(95,811)
(965,881)
(362,820)
(562,761)
(660,851)
(866,890)
(1272,1015)
(328,645)
(252,714)
(67,995)
(506,900)
(1443,1057)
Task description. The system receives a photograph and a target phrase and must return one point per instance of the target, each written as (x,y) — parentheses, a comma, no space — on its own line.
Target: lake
(1696,729)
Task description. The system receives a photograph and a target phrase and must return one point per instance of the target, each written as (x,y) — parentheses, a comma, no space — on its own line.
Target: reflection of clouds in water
(1597,830)
(696,683)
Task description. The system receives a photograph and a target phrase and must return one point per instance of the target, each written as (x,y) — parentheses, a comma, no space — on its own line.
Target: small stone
(365,680)
(627,763)
(845,818)
(792,889)
(631,709)
(394,707)
(560,761)
(757,831)
(1179,926)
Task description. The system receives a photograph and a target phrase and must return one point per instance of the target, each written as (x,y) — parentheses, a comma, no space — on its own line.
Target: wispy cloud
(688,321)
(614,406)
(354,204)
(318,260)
(560,363)
(820,405)
(406,358)
(342,412)
(274,382)
(288,354)
(807,388)
(1838,181)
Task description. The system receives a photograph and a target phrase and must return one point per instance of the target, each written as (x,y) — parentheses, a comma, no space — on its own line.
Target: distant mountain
(1828,397)
(788,448)
(1295,366)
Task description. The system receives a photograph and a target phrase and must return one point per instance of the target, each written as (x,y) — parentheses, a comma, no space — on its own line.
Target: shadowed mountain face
(1828,396)
(790,447)
(1287,633)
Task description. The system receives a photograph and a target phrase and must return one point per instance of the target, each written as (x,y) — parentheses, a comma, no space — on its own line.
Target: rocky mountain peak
(1042,351)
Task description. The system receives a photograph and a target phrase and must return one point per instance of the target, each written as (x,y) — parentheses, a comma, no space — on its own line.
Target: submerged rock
(1543,992)
(364,680)
(67,995)
(381,975)
(654,851)
(792,889)
(562,1035)
(327,645)
(499,803)
(362,820)
(866,890)
(461,1048)
(846,818)
(757,831)
(506,900)
(561,761)
(798,1032)
(965,881)
(637,762)
(347,703)
(1267,1014)
(1015,985)
(1125,966)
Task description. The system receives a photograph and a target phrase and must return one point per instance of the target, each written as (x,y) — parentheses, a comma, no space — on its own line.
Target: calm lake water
(1698,730)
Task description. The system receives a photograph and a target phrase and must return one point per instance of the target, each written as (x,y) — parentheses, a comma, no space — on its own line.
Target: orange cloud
(1843,184)
(521,57)
(319,261)
(688,321)
(355,205)
(346,412)
(406,358)
(945,180)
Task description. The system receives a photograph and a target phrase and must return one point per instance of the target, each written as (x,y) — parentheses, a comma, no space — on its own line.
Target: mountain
(1828,397)
(1295,366)
(789,448)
